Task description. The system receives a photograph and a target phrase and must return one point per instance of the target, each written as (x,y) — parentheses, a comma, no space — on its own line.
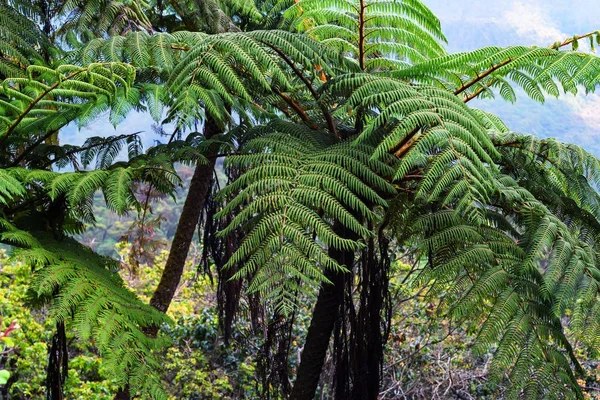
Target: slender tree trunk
(324,317)
(198,192)
(188,221)
(367,339)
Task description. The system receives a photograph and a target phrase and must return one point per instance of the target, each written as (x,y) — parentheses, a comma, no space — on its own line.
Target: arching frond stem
(311,89)
(481,76)
(297,108)
(478,78)
(361,35)
(570,40)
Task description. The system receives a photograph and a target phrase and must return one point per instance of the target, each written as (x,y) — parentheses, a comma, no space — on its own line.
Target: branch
(91,146)
(361,35)
(28,150)
(297,108)
(407,142)
(557,46)
(482,76)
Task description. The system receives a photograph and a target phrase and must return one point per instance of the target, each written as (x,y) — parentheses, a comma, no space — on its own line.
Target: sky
(471,24)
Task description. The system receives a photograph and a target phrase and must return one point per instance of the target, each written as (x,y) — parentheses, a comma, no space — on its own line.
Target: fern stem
(37,100)
(28,150)
(297,108)
(482,76)
(571,40)
(494,68)
(313,92)
(361,35)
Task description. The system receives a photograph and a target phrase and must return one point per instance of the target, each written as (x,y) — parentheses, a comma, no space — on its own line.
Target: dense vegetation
(359,197)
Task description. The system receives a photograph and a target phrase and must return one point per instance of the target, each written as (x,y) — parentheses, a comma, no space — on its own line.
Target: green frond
(86,293)
(376,34)
(538,71)
(103,16)
(292,191)
(48,99)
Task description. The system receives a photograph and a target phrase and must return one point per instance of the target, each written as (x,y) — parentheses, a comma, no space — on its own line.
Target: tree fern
(494,234)
(354,106)
(289,196)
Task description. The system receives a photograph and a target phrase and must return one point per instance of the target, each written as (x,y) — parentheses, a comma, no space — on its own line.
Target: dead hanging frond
(273,366)
(58,364)
(363,325)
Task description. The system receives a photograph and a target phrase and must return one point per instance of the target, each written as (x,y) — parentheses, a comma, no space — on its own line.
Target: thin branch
(482,76)
(407,142)
(361,35)
(91,146)
(571,40)
(28,150)
(473,95)
(297,108)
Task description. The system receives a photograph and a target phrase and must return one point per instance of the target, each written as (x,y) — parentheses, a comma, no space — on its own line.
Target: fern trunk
(324,317)
(370,325)
(199,191)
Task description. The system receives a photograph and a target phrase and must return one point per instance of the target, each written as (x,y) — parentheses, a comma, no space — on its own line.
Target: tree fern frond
(287,240)
(83,290)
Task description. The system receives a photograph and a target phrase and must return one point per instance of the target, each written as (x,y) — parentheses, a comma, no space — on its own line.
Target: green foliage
(34,108)
(102,16)
(22,43)
(91,295)
(195,366)
(28,355)
(540,72)
(351,126)
(296,187)
(377,35)
(95,299)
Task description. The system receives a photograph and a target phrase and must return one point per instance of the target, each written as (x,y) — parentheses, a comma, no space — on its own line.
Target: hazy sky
(470,24)
(474,23)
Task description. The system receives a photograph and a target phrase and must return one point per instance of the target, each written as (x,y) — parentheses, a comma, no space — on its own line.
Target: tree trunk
(188,221)
(58,368)
(123,394)
(324,317)
(367,340)
(198,192)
